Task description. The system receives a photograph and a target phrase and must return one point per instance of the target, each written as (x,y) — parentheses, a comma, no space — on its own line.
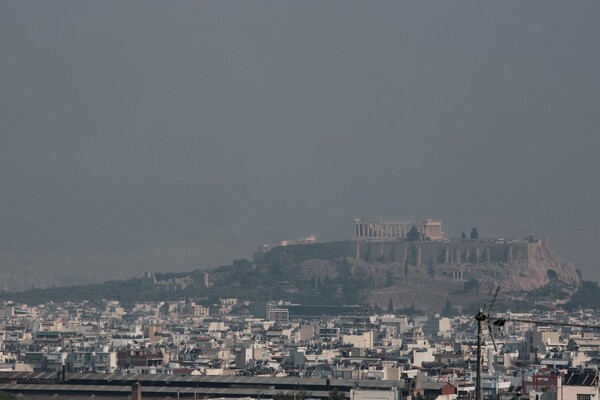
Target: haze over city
(197,130)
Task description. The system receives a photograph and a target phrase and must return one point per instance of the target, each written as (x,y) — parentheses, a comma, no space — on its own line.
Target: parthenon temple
(370,229)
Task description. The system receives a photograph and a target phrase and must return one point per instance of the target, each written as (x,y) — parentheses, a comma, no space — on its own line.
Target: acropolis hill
(386,242)
(384,262)
(458,252)
(434,269)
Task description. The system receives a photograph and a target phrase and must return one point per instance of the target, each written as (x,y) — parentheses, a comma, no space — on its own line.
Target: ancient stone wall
(455,251)
(450,252)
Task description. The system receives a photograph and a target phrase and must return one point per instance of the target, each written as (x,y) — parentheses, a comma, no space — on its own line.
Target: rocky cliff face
(430,287)
(523,276)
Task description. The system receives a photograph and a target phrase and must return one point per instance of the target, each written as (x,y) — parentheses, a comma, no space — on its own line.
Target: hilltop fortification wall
(455,251)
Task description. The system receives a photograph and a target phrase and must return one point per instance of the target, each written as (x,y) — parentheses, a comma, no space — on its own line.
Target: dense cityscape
(70,348)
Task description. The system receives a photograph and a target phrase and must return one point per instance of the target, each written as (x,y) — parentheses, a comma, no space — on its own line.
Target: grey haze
(207,127)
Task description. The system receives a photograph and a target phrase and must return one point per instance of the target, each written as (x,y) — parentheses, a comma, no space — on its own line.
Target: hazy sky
(140,124)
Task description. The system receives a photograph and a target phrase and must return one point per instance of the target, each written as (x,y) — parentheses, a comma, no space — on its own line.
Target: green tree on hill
(377,309)
(413,234)
(448,309)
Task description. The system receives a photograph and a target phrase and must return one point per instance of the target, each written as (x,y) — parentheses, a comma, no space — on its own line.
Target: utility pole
(480,317)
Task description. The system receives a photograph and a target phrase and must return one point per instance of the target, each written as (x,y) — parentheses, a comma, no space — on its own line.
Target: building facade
(378,229)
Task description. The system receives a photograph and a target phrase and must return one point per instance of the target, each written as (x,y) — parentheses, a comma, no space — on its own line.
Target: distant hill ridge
(404,273)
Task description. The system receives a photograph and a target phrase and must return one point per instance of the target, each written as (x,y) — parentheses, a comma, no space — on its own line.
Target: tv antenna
(484,315)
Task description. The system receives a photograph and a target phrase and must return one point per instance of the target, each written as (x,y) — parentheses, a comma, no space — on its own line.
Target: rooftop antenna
(499,322)
(482,316)
(479,317)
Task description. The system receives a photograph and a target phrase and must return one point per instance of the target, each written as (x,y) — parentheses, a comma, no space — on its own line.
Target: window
(584,397)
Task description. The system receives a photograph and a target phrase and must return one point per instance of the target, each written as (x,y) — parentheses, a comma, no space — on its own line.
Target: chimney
(136,391)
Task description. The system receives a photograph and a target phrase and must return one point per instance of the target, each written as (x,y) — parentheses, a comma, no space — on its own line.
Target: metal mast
(480,317)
